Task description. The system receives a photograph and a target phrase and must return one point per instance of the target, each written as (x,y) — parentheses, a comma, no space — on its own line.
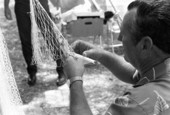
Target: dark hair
(107,16)
(153,20)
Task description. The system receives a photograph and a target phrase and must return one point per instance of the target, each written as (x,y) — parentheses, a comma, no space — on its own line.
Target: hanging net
(10,101)
(48,42)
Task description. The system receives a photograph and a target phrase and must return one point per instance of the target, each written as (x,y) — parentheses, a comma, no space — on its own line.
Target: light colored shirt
(150,95)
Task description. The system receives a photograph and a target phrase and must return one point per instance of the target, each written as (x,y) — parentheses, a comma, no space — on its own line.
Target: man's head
(146,24)
(153,20)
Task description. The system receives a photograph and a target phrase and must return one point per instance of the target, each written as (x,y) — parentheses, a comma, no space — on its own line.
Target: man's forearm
(118,66)
(78,104)
(6,3)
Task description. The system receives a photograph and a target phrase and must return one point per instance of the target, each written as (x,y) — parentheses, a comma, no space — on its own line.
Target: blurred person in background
(22,12)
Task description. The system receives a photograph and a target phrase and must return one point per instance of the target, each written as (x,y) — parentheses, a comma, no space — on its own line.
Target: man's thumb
(91,54)
(87,53)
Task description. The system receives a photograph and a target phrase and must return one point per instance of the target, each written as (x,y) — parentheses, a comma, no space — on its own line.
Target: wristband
(74,79)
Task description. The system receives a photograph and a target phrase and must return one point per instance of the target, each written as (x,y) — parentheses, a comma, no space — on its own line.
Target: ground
(45,98)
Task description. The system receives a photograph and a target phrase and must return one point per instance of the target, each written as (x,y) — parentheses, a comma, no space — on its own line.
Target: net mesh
(48,42)
(10,100)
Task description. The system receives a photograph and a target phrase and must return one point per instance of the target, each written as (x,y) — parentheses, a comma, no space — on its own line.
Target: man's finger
(88,53)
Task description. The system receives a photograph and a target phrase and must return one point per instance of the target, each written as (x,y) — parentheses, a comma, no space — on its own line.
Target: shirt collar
(155,73)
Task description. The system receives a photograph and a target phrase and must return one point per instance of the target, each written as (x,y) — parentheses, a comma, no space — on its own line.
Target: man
(145,32)
(22,11)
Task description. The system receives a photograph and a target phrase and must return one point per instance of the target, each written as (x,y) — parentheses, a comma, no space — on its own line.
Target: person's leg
(61,77)
(24,28)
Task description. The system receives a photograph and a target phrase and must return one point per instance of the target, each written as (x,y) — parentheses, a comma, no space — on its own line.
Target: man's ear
(145,43)
(144,46)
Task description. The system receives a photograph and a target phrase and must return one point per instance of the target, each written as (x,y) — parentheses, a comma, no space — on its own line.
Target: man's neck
(157,58)
(149,65)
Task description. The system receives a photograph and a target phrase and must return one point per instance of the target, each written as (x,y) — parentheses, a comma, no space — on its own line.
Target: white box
(88,24)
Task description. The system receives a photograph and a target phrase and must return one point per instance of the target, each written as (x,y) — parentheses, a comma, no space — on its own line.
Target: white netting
(48,42)
(10,100)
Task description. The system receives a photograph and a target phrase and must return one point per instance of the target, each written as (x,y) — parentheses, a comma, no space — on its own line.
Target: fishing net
(10,101)
(48,42)
(46,38)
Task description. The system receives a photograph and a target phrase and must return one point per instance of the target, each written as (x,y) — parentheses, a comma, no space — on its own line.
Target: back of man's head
(153,20)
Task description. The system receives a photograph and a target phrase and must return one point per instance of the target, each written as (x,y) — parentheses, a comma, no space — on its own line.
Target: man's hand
(8,14)
(73,67)
(80,46)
